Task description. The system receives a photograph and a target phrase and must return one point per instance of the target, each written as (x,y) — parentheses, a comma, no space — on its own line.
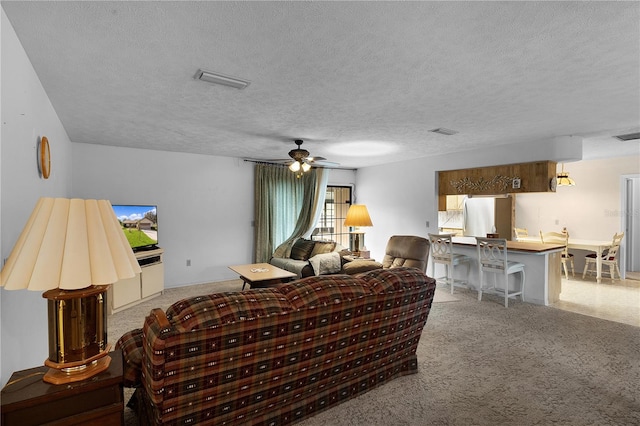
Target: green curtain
(286,207)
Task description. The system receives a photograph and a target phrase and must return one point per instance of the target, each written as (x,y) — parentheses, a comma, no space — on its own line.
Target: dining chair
(520,232)
(609,258)
(560,238)
(441,247)
(492,257)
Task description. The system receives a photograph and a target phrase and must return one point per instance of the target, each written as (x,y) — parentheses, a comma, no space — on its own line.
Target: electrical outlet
(427,224)
(188,262)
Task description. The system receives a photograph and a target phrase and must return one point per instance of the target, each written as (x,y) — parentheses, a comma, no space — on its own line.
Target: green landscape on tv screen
(139,224)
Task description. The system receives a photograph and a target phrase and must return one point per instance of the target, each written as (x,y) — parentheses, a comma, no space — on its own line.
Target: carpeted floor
(482,364)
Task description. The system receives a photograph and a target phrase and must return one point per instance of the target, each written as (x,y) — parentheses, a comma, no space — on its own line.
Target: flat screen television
(139,224)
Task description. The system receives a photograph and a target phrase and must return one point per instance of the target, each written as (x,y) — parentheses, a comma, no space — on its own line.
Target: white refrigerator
(478,217)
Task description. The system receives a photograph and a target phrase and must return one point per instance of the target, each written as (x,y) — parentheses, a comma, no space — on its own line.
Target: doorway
(630,217)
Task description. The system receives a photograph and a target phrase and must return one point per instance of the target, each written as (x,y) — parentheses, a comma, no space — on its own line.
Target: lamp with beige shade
(357,216)
(72,249)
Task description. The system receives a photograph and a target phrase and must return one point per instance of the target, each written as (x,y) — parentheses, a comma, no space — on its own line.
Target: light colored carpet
(483,364)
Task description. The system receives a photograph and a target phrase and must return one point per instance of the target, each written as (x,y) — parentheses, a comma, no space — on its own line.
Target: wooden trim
(160,317)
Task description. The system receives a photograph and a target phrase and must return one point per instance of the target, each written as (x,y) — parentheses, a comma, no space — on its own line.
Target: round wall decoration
(44,155)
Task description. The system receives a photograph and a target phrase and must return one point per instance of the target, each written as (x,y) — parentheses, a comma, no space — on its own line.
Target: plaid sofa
(274,356)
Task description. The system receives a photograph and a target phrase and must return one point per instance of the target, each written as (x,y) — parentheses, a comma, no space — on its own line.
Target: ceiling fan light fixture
(306,167)
(295,166)
(224,80)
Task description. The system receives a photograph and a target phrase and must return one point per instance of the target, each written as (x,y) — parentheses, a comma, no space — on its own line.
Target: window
(330,226)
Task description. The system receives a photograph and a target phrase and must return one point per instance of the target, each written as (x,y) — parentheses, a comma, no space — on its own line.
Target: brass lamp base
(78,345)
(356,242)
(59,376)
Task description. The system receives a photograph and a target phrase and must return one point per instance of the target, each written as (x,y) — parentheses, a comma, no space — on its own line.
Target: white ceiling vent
(444,131)
(217,78)
(628,136)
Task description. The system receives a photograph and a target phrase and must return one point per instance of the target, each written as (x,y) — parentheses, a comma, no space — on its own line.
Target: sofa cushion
(358,266)
(323,290)
(220,308)
(326,263)
(301,250)
(394,279)
(320,247)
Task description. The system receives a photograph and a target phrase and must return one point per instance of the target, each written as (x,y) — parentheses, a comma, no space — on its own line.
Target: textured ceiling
(361,82)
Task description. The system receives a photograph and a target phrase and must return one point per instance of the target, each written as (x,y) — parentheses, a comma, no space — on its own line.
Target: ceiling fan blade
(299,154)
(324,163)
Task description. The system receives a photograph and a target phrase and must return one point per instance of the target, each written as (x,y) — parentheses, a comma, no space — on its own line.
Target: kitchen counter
(520,246)
(543,267)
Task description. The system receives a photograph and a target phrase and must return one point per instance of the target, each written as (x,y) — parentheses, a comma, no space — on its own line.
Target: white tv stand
(149,283)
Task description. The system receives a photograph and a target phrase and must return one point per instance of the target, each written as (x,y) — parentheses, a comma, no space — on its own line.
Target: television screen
(139,223)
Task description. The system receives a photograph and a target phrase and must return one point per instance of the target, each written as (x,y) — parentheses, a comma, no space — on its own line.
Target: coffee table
(260,275)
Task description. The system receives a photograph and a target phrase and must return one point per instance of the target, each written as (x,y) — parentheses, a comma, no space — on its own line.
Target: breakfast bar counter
(543,267)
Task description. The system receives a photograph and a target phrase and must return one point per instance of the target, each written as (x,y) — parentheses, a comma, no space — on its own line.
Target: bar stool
(441,247)
(492,257)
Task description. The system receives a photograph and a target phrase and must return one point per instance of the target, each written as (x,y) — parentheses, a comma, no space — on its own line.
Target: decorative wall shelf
(538,176)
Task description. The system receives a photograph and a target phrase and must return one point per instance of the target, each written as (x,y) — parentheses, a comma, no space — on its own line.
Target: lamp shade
(563,178)
(358,216)
(69,244)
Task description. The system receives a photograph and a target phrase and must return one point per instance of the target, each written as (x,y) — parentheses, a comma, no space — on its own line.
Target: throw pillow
(326,263)
(301,250)
(322,247)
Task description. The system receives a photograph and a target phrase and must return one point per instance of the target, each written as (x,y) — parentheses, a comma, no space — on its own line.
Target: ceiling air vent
(443,131)
(628,136)
(217,78)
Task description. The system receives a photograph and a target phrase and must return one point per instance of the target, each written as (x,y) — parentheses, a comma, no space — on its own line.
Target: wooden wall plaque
(538,176)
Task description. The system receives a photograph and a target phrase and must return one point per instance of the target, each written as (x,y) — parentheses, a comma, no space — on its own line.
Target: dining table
(598,246)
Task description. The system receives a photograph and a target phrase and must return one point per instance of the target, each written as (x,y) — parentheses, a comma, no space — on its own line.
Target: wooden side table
(98,400)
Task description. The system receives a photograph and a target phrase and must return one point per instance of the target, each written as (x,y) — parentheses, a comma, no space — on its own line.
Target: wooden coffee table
(261,275)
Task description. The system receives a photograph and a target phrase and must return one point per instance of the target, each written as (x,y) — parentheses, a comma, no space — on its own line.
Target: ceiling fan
(301,161)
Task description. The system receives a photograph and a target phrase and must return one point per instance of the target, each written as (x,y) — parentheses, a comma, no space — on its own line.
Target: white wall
(26,115)
(205,203)
(589,210)
(402,197)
